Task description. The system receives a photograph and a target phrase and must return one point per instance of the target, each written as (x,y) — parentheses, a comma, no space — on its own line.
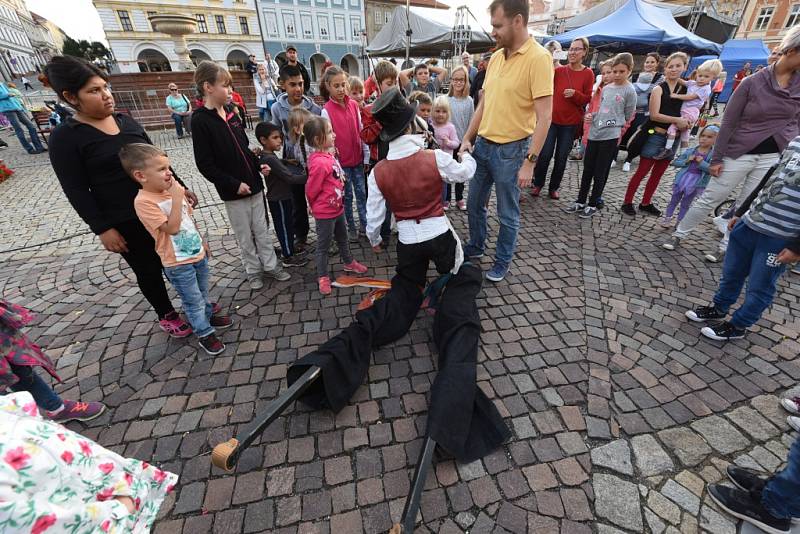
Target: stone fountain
(177,27)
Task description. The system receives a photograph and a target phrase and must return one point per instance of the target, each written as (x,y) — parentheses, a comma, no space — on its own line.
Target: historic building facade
(769,20)
(227,32)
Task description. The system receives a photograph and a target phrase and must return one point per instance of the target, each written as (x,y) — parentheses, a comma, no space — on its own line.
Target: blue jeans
(751,256)
(29,381)
(781,495)
(15,117)
(264,114)
(559,142)
(181,121)
(355,182)
(498,165)
(191,283)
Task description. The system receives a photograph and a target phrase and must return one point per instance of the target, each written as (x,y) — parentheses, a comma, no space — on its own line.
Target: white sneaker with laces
(794,422)
(791,405)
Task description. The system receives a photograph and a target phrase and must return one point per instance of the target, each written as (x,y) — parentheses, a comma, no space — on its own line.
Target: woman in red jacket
(572,90)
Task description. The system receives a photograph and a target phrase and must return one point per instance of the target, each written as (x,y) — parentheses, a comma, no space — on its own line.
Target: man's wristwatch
(532,157)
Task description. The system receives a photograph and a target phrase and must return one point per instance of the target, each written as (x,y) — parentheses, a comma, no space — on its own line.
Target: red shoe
(221,322)
(77,411)
(535,191)
(355,267)
(554,195)
(215,308)
(173,325)
(325,285)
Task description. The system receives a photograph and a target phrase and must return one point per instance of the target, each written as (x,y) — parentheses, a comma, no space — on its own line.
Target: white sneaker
(714,257)
(626,167)
(794,422)
(613,164)
(672,244)
(721,224)
(574,208)
(791,405)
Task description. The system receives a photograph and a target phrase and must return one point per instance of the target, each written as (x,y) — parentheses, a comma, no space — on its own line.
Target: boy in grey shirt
(617,108)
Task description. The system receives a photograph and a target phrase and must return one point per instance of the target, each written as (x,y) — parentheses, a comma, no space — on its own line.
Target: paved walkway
(620,412)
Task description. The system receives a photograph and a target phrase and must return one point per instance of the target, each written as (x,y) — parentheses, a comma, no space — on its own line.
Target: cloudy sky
(79,19)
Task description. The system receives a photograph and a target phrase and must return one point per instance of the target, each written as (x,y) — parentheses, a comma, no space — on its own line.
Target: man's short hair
(289,71)
(512,8)
(136,156)
(419,67)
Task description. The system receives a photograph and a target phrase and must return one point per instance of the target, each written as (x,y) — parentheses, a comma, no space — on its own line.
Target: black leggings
(146,265)
(596,165)
(300,215)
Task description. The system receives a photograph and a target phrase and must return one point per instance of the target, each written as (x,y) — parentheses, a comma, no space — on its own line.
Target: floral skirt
(54,480)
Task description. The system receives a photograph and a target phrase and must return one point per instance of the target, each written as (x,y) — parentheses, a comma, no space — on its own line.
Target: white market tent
(428,38)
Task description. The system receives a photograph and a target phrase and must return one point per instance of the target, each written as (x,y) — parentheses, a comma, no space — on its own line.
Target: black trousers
(146,265)
(413,260)
(461,418)
(596,166)
(300,214)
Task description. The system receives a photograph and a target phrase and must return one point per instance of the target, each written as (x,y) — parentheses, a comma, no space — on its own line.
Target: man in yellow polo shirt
(511,125)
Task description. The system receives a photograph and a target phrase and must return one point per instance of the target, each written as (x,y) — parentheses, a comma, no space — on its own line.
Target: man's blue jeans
(559,142)
(751,256)
(781,495)
(498,165)
(42,393)
(18,119)
(191,283)
(355,182)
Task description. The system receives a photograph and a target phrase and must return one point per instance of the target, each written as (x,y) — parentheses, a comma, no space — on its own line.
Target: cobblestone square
(620,411)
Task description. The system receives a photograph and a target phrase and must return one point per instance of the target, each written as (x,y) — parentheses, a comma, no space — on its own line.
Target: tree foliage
(85,49)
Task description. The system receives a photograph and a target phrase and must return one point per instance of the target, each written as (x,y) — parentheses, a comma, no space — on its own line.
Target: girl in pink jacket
(325,192)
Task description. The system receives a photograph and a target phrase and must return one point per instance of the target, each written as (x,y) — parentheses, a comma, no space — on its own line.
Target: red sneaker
(554,195)
(77,411)
(174,325)
(355,267)
(212,345)
(215,308)
(221,322)
(325,285)
(535,191)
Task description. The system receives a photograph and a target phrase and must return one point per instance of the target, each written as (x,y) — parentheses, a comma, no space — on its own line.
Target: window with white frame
(387,16)
(324,30)
(289,25)
(220,20)
(272,23)
(308,25)
(125,20)
(378,17)
(794,16)
(202,26)
(764,16)
(355,24)
(245,27)
(339,28)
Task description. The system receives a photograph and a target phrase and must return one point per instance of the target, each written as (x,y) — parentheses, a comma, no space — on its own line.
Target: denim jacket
(685,159)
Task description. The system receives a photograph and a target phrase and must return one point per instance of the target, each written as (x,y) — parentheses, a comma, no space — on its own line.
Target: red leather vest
(412,186)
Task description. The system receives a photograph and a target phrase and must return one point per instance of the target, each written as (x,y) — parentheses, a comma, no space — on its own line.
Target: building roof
(418,3)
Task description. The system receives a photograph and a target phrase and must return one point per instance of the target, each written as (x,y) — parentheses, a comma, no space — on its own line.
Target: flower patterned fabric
(54,480)
(15,347)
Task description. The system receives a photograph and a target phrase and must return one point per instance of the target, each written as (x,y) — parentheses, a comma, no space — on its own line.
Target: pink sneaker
(355,267)
(462,205)
(175,326)
(325,285)
(77,411)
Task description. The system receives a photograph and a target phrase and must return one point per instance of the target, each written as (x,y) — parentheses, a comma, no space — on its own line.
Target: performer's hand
(787,256)
(732,223)
(466,146)
(377,249)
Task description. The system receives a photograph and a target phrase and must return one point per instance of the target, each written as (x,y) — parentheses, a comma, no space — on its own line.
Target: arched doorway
(198,55)
(317,60)
(151,60)
(237,60)
(349,64)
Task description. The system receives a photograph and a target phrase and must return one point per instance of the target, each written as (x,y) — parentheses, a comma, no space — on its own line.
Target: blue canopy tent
(639,27)
(735,53)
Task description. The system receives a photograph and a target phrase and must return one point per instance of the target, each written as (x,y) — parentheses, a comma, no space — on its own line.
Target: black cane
(226,454)
(409,517)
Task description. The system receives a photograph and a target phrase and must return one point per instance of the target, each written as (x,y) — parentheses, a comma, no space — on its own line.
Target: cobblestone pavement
(620,412)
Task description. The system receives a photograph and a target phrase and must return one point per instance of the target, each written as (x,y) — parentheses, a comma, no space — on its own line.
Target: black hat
(394,113)
(291,47)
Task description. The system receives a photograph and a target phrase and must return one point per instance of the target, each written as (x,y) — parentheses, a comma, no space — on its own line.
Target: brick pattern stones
(609,392)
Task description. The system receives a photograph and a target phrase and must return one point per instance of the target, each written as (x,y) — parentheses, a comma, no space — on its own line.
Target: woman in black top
(664,110)
(84,154)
